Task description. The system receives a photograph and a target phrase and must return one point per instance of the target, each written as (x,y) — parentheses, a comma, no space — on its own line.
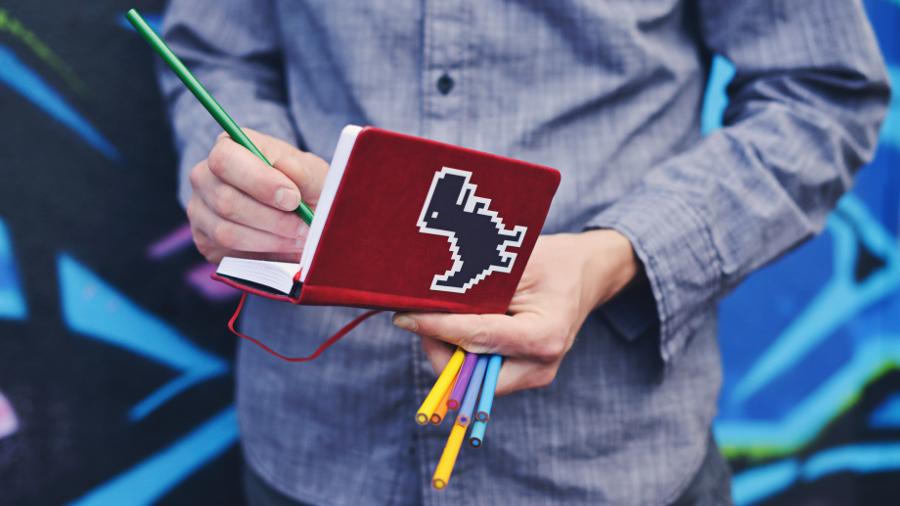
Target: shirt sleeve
(233,48)
(805,104)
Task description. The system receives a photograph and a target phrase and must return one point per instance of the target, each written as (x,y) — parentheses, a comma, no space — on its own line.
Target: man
(611,337)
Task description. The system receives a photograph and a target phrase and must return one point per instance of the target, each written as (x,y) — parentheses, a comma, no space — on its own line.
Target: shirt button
(445,84)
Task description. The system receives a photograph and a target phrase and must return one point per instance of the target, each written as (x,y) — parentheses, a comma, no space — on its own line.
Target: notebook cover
(422,225)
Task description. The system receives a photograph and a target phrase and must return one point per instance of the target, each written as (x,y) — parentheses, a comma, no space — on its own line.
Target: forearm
(802,119)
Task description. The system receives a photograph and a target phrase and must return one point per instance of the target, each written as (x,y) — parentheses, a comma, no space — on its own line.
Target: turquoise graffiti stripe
(887,415)
(146,482)
(94,308)
(890,130)
(154,19)
(716,99)
(12,301)
(27,83)
(837,303)
(858,458)
(759,483)
(811,414)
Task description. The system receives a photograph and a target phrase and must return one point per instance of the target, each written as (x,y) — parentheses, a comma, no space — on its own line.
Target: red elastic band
(322,347)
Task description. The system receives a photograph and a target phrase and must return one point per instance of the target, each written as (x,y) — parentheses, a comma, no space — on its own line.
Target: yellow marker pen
(442,384)
(448,459)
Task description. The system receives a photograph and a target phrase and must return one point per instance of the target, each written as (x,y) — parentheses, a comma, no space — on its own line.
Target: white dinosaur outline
(470,205)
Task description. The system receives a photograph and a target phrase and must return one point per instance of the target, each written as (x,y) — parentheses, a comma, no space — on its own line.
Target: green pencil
(205,98)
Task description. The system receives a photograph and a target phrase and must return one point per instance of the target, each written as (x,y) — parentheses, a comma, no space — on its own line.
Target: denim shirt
(609,92)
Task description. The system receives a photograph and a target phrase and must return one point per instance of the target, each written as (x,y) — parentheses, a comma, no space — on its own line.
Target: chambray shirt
(609,92)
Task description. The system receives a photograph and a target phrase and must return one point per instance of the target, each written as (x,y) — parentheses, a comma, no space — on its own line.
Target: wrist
(609,264)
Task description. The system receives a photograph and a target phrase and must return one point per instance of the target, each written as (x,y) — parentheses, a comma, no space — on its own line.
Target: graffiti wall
(810,409)
(115,369)
(114,366)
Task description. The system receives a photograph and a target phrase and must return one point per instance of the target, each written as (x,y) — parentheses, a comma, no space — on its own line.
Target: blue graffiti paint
(887,415)
(93,308)
(154,19)
(759,483)
(890,130)
(857,458)
(816,410)
(148,481)
(27,83)
(756,484)
(12,302)
(838,302)
(716,99)
(885,17)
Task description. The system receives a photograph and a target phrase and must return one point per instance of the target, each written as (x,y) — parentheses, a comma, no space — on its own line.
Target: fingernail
(287,198)
(405,323)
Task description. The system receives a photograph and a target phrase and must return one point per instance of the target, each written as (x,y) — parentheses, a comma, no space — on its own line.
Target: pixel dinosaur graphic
(477,236)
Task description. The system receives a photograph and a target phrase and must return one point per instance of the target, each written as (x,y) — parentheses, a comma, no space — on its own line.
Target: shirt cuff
(674,243)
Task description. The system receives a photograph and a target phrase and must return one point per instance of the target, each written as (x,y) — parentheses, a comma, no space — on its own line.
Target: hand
(242,207)
(567,276)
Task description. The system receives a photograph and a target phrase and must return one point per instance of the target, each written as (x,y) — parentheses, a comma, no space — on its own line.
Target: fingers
(234,236)
(519,335)
(517,374)
(235,165)
(306,170)
(214,253)
(273,147)
(234,205)
(207,247)
(240,204)
(438,353)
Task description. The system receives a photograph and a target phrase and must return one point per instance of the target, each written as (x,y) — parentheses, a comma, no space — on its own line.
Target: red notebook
(406,223)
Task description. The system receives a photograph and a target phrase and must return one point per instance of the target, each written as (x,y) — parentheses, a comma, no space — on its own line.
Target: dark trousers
(711,486)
